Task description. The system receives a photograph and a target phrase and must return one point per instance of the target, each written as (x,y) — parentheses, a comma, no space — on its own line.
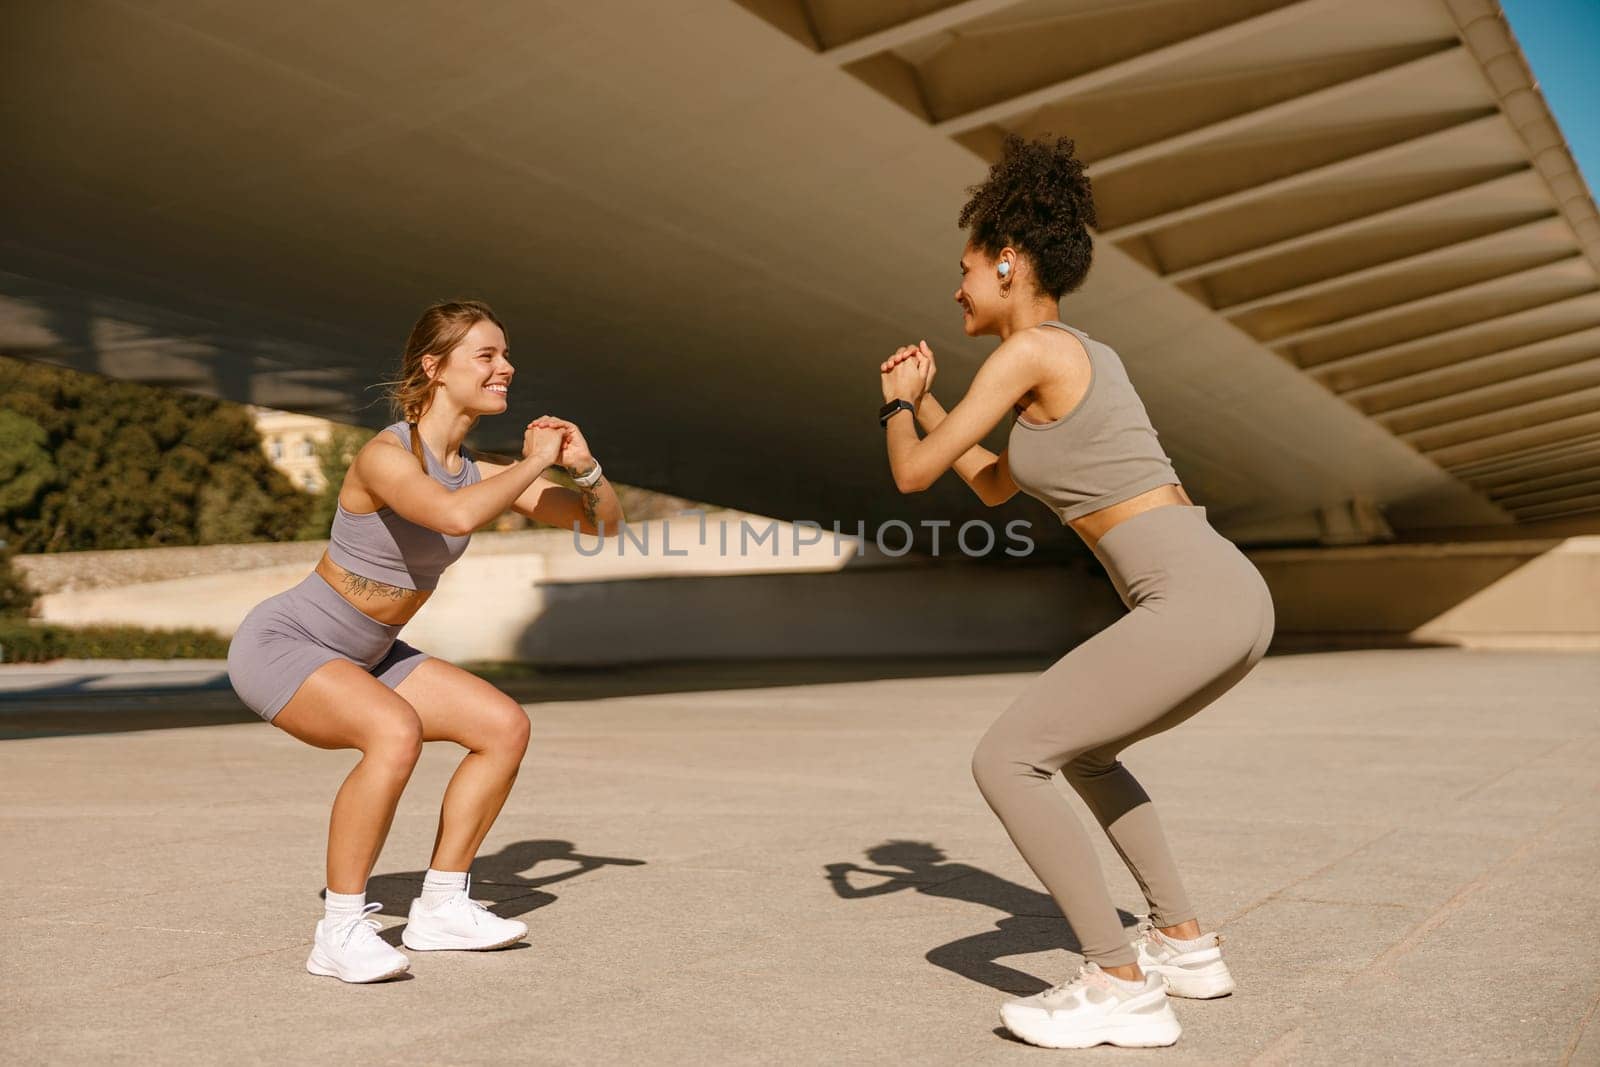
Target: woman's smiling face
(476,376)
(979,293)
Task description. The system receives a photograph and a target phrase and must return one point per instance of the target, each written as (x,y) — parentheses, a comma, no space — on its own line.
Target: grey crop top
(396,551)
(1102,452)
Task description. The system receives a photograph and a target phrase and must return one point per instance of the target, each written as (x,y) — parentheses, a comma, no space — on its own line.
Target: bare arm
(585,509)
(988,475)
(390,472)
(1005,377)
(550,502)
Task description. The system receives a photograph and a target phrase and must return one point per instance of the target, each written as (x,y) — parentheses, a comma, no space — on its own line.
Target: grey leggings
(1200,617)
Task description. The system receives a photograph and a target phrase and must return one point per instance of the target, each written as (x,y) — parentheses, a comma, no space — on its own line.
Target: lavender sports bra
(1102,452)
(396,551)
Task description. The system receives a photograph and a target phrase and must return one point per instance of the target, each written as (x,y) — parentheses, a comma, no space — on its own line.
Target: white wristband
(588,480)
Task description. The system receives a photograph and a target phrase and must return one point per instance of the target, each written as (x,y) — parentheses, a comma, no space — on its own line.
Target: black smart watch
(888,410)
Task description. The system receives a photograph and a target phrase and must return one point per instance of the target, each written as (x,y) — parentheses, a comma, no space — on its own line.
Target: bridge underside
(1344,251)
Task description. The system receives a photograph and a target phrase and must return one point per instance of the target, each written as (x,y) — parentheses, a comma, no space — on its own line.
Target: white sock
(343,906)
(440,886)
(1187,942)
(1127,983)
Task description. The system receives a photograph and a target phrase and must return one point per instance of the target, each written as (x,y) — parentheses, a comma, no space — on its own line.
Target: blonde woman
(324,663)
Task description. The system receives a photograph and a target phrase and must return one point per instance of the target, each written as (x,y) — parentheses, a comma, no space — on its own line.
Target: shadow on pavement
(501,879)
(1032,921)
(36,714)
(531,685)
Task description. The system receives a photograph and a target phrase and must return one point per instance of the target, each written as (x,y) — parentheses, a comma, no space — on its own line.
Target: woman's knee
(1264,632)
(999,761)
(988,762)
(1266,625)
(513,731)
(502,731)
(396,743)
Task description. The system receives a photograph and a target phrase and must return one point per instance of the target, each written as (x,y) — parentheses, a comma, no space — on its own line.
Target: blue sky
(1561,39)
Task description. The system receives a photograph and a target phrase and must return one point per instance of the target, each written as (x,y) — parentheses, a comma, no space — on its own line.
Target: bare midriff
(391,605)
(1097,524)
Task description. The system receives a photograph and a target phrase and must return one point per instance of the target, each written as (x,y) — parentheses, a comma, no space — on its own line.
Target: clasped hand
(908,373)
(553,442)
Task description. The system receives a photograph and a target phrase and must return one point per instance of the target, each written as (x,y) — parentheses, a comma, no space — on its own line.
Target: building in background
(290,441)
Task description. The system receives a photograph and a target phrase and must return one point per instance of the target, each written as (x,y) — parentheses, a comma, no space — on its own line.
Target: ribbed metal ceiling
(1373,189)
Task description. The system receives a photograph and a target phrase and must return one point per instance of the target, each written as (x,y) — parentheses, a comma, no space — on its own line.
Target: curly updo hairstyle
(1037,200)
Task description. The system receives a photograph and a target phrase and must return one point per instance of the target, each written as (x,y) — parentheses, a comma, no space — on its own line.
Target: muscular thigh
(457,705)
(342,706)
(1125,680)
(1220,649)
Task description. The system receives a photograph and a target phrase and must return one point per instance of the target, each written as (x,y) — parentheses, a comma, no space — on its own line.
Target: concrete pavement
(1400,845)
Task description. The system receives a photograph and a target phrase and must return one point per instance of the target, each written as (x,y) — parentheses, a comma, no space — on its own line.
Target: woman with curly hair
(324,663)
(1199,615)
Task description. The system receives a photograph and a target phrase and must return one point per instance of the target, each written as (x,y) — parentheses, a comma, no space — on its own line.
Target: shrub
(22,642)
(16,599)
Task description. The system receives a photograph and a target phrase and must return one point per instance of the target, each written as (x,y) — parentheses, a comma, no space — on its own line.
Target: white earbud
(1004,268)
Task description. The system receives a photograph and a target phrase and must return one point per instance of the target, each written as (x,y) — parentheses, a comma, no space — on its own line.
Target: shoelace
(464,895)
(362,923)
(1088,974)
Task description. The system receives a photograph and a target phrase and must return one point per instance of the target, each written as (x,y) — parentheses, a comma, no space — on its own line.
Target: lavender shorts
(286,637)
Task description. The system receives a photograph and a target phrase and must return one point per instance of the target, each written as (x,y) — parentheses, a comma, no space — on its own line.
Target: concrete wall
(1502,594)
(532,596)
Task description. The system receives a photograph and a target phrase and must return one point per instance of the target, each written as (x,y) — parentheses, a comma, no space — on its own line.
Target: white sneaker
(1191,968)
(352,951)
(1091,1009)
(459,923)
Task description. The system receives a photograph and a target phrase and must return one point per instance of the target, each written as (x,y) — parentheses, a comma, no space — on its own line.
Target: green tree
(333,457)
(133,466)
(25,466)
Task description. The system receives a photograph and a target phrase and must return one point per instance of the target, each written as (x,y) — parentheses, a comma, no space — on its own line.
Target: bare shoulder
(1025,349)
(1057,353)
(380,450)
(1024,358)
(380,459)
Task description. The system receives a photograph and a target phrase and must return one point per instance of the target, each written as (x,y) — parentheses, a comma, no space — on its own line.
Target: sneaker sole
(1156,1031)
(1196,985)
(327,971)
(417,945)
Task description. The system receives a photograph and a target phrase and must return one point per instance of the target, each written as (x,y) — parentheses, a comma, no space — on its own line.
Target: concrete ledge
(533,597)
